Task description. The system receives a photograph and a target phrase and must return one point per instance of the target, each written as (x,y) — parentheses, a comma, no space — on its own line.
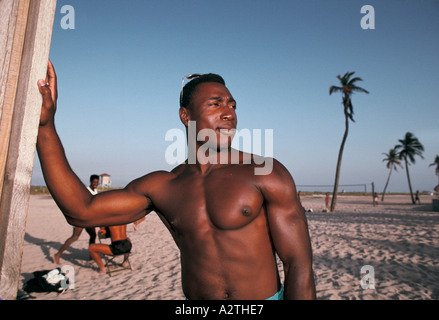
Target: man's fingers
(43,86)
(48,91)
(51,80)
(51,75)
(51,70)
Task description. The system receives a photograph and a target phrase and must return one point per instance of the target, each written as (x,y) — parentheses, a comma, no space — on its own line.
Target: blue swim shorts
(278,295)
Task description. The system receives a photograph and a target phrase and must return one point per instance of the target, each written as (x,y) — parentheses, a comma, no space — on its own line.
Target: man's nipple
(246,211)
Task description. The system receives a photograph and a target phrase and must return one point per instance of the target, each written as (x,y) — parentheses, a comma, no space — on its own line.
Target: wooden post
(25,35)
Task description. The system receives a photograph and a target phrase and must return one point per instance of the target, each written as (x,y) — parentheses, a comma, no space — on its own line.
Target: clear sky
(120,70)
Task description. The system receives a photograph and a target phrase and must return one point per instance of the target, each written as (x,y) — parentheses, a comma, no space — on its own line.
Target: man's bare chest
(222,201)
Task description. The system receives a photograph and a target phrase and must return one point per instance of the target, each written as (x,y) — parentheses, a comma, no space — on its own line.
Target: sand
(400,241)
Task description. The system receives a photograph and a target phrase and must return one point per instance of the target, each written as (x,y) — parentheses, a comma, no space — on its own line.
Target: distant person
(120,244)
(92,188)
(375,199)
(327,200)
(417,200)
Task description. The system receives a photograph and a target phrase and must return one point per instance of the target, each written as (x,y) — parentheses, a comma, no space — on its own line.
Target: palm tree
(435,163)
(347,88)
(409,148)
(392,161)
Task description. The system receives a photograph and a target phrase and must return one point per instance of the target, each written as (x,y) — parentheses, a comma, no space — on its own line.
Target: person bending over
(120,244)
(92,188)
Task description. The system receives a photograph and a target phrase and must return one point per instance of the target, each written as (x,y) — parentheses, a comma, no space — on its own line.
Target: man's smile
(226,131)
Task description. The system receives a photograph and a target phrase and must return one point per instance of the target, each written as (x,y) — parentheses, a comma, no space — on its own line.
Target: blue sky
(120,71)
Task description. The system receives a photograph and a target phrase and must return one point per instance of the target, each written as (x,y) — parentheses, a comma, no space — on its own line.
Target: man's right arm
(75,201)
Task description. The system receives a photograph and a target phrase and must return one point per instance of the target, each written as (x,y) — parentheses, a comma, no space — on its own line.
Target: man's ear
(184,116)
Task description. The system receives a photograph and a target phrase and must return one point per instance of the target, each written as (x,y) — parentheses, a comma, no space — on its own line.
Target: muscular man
(227,221)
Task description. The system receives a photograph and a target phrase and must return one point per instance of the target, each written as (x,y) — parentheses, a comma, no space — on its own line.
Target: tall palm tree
(347,88)
(435,163)
(409,148)
(392,160)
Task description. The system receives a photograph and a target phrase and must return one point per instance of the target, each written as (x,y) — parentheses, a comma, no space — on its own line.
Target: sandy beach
(399,240)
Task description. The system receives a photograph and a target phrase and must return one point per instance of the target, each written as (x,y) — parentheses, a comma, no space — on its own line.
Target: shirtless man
(227,221)
(120,244)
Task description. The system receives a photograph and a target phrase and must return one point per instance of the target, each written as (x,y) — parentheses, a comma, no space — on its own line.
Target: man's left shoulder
(267,167)
(278,185)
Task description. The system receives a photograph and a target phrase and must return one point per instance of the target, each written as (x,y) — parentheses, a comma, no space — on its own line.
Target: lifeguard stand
(105,180)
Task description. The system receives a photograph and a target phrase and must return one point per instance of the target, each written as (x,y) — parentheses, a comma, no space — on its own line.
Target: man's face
(94,183)
(213,107)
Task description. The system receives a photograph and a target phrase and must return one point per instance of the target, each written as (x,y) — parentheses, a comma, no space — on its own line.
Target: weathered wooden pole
(25,36)
(374,199)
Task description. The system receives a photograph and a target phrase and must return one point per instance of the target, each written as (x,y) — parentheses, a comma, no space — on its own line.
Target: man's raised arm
(70,194)
(289,231)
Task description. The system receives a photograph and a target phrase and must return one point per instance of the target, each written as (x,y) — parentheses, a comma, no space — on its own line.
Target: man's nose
(227,113)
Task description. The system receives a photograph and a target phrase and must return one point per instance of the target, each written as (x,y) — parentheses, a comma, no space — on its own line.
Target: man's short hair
(94,176)
(190,87)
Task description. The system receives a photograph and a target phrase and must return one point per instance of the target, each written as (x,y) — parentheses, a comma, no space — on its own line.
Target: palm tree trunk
(337,172)
(408,178)
(387,182)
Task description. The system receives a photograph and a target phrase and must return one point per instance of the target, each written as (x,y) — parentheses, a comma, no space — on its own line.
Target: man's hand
(49,91)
